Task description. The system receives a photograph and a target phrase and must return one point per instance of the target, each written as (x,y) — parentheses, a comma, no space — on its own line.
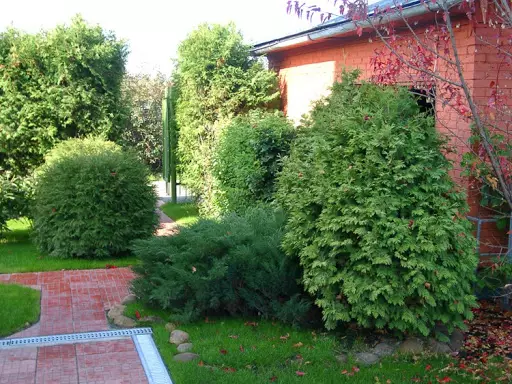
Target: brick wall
(307,71)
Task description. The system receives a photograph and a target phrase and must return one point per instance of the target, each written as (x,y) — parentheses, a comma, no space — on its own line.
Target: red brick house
(310,61)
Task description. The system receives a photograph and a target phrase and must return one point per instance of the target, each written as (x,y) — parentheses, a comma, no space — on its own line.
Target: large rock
(411,346)
(185,357)
(116,316)
(185,347)
(169,327)
(456,340)
(131,298)
(178,337)
(384,349)
(342,358)
(366,358)
(436,346)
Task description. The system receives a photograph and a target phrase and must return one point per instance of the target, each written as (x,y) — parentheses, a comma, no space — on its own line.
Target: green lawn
(19,308)
(183,214)
(18,254)
(232,351)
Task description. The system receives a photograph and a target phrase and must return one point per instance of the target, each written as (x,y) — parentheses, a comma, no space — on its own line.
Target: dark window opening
(426,100)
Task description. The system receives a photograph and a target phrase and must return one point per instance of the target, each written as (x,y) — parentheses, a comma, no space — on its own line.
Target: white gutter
(348,26)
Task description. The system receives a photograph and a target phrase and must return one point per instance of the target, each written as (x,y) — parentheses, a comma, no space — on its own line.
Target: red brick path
(73,301)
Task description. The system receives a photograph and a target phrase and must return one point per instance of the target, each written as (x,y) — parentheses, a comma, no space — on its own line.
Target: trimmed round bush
(377,222)
(249,157)
(90,146)
(233,265)
(92,200)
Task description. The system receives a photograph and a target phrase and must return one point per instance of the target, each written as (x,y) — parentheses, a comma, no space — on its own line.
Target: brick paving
(73,301)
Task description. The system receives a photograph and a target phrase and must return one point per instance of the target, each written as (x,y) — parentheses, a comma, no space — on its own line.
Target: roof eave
(323,31)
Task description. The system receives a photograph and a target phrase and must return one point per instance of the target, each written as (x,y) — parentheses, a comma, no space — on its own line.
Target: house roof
(341,25)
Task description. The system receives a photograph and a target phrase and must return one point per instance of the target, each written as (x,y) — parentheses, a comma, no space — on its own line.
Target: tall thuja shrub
(56,85)
(53,86)
(374,217)
(216,79)
(249,157)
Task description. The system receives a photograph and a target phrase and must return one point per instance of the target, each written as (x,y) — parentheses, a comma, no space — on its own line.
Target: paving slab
(75,302)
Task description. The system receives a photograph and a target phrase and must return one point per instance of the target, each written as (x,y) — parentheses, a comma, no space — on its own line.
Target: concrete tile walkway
(73,301)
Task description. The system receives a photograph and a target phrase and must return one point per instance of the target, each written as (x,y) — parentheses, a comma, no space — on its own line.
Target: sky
(154,28)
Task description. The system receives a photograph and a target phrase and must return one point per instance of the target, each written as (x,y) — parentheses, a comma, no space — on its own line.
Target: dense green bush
(233,265)
(375,218)
(143,131)
(92,145)
(92,202)
(55,85)
(215,79)
(249,157)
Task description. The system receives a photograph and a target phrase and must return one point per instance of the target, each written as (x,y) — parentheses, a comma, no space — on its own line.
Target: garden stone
(384,349)
(131,298)
(456,340)
(342,358)
(412,345)
(436,346)
(116,316)
(151,319)
(185,347)
(178,337)
(185,357)
(366,358)
(169,327)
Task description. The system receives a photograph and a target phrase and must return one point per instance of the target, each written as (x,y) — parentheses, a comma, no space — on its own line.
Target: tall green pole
(166,143)
(173,143)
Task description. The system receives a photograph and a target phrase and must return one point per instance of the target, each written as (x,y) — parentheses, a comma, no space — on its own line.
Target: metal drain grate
(154,367)
(72,338)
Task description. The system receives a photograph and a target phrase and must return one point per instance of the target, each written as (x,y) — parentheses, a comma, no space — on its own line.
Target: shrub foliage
(249,157)
(14,195)
(375,219)
(92,202)
(233,265)
(143,131)
(216,79)
(55,85)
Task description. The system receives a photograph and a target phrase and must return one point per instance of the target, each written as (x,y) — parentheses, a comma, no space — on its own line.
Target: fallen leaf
(285,337)
(137,315)
(241,348)
(194,269)
(229,369)
(201,364)
(344,372)
(223,351)
(298,345)
(300,373)
(233,336)
(355,369)
(445,379)
(273,378)
(428,367)
(250,324)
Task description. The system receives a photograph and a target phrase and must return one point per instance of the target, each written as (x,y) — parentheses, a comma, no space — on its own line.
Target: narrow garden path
(71,302)
(76,302)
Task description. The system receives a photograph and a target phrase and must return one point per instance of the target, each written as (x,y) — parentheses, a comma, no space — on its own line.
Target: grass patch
(19,307)
(233,352)
(18,254)
(183,214)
